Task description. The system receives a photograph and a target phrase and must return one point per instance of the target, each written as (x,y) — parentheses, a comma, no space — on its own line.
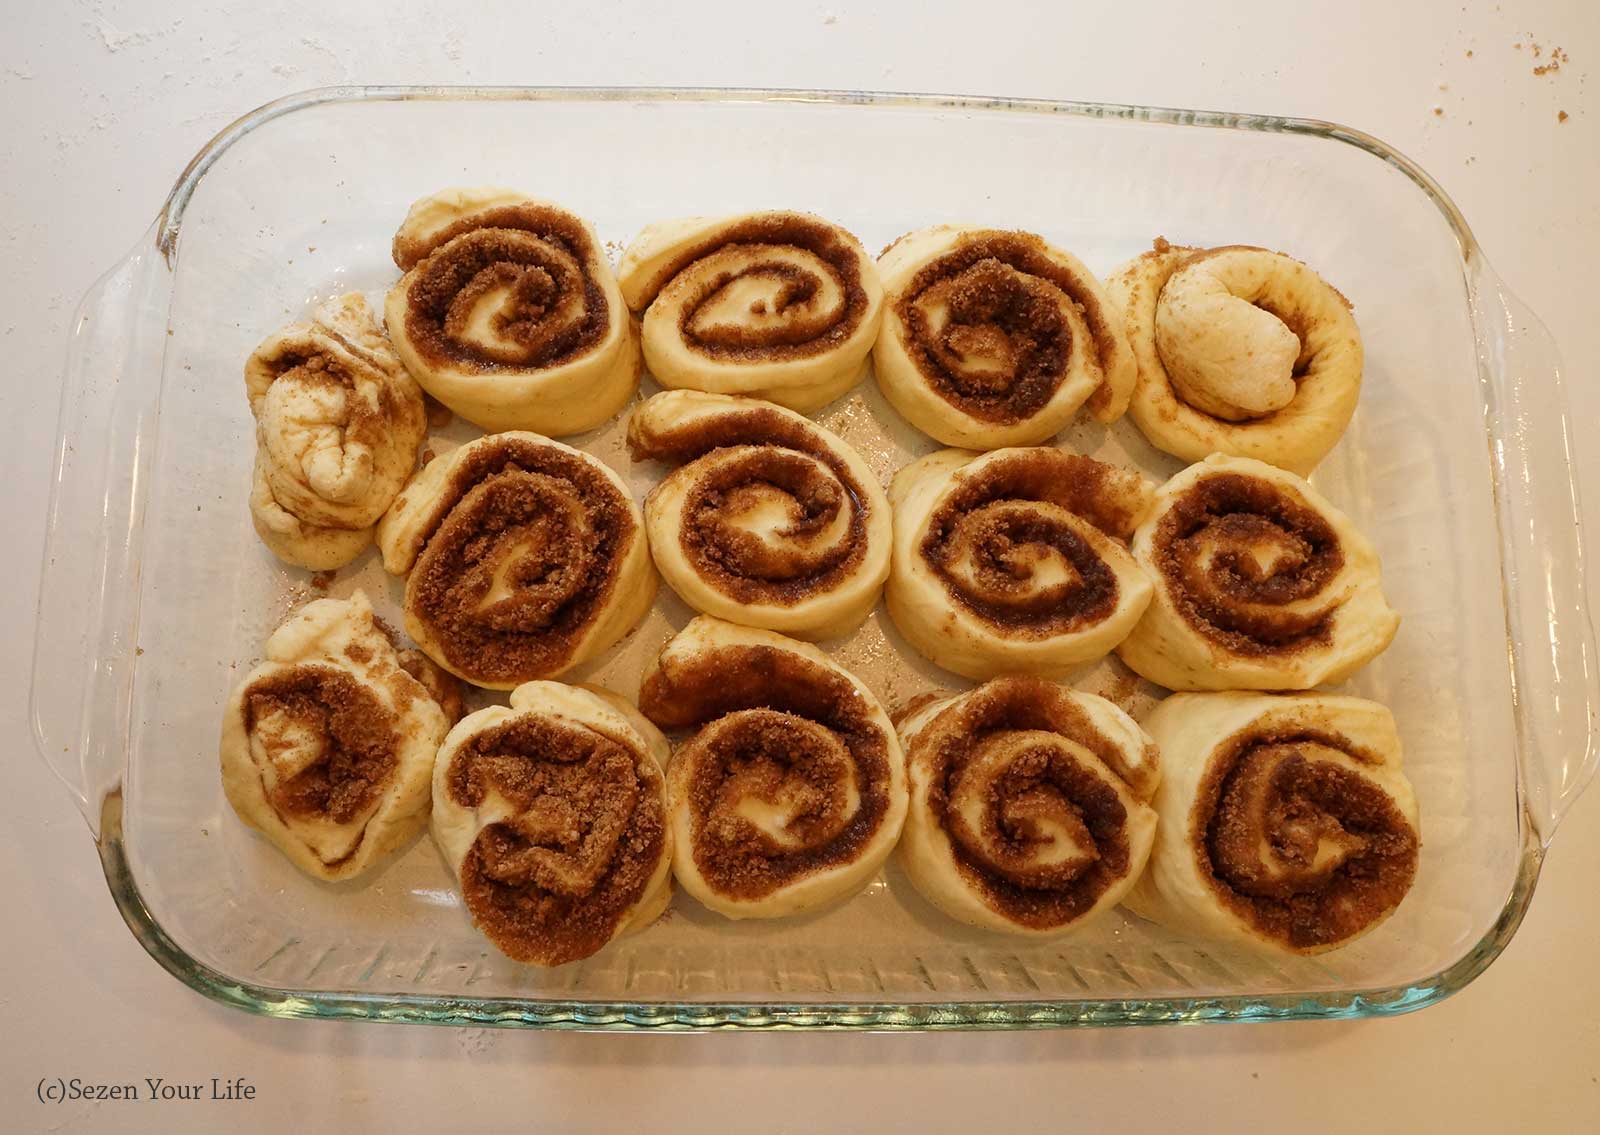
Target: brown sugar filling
(802,334)
(1040,783)
(524,555)
(1205,548)
(1004,296)
(1307,851)
(553,883)
(735,562)
(776,727)
(542,256)
(986,523)
(747,568)
(356,732)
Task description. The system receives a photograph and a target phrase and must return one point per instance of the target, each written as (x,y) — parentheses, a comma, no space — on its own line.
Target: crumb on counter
(1557,58)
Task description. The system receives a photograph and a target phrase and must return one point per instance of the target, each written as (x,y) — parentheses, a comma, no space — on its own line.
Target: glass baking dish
(157,596)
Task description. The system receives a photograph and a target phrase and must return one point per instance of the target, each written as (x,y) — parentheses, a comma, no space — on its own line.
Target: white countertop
(105,102)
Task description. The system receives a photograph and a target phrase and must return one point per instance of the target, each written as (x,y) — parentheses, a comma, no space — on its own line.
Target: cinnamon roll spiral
(525,558)
(777,305)
(327,747)
(791,791)
(1240,351)
(1286,822)
(994,338)
(772,522)
(1012,561)
(338,421)
(1260,584)
(1030,805)
(508,313)
(551,814)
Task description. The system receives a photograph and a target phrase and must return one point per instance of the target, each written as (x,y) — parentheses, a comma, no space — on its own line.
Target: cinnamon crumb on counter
(1557,58)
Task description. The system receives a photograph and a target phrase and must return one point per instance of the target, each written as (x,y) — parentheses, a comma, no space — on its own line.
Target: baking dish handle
(1553,662)
(84,652)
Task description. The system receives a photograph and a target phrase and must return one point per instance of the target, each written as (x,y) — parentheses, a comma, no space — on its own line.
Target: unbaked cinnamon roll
(994,338)
(1013,561)
(771,522)
(1030,805)
(525,558)
(551,814)
(1286,822)
(1240,351)
(1260,584)
(780,306)
(338,421)
(508,313)
(791,791)
(327,747)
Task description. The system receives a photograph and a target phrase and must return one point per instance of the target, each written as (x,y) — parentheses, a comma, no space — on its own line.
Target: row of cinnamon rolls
(1020,806)
(524,557)
(509,314)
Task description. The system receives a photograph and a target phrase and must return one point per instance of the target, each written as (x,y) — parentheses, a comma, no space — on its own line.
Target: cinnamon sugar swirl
(551,814)
(523,557)
(508,313)
(994,338)
(1013,561)
(771,521)
(327,747)
(1240,351)
(1260,584)
(791,790)
(776,305)
(1030,805)
(1286,822)
(338,421)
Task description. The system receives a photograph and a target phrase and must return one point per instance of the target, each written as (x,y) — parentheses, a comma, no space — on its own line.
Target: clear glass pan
(157,596)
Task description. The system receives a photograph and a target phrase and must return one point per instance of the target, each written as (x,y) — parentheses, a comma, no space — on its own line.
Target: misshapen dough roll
(1286,822)
(338,421)
(509,314)
(774,305)
(769,521)
(327,747)
(1260,583)
(791,791)
(994,338)
(1240,351)
(551,814)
